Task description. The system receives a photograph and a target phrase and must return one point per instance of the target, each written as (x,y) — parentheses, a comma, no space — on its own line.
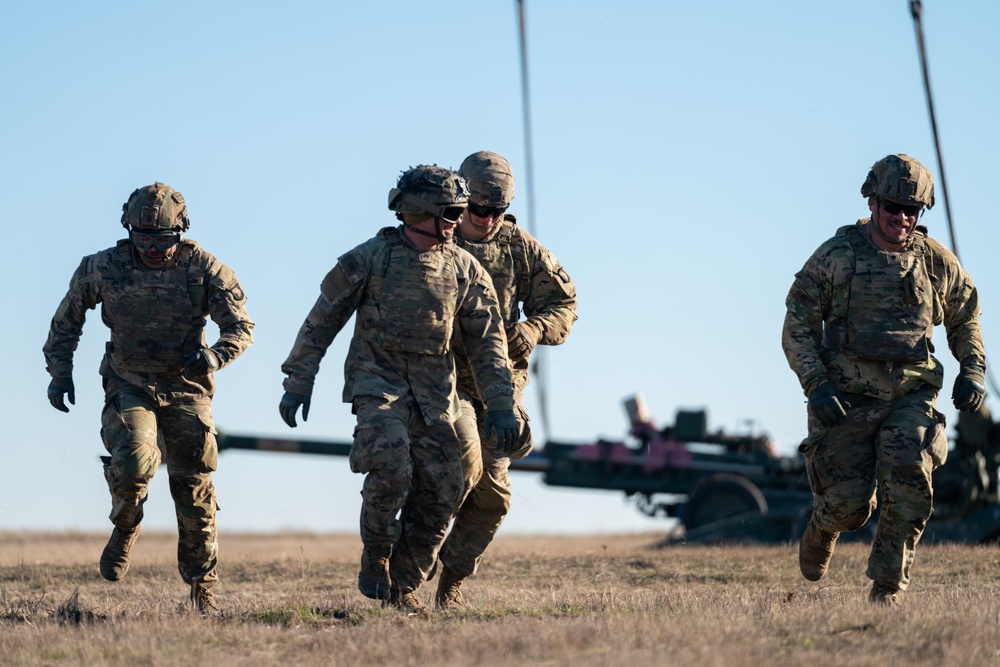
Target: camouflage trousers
(894,445)
(134,426)
(413,482)
(487,493)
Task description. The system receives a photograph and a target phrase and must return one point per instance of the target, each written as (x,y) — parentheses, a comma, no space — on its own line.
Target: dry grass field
(290,599)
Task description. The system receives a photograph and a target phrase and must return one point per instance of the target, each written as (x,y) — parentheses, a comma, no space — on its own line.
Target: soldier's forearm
(233,341)
(553,327)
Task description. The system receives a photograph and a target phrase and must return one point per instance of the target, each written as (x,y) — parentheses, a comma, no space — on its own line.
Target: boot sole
(375,591)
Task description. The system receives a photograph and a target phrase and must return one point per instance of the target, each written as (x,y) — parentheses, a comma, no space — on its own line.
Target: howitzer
(723,487)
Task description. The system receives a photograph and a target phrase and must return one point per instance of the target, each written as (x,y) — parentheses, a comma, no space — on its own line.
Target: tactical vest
(890,316)
(413,299)
(503,257)
(156,317)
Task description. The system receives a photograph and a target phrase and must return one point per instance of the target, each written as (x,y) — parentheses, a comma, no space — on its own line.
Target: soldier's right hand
(521,340)
(290,405)
(58,388)
(968,394)
(505,424)
(827,405)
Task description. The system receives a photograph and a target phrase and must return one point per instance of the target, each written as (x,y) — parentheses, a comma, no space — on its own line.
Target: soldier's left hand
(968,394)
(827,405)
(201,362)
(521,340)
(289,405)
(505,424)
(58,388)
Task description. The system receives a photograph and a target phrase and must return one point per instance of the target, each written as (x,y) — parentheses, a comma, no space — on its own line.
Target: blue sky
(688,157)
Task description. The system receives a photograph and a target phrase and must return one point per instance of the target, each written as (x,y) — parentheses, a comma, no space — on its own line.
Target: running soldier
(410,287)
(525,275)
(156,290)
(857,333)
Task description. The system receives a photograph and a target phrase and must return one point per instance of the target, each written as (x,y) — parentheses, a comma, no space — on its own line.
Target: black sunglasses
(487,211)
(892,208)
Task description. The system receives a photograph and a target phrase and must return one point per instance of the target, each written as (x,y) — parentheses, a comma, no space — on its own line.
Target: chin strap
(435,235)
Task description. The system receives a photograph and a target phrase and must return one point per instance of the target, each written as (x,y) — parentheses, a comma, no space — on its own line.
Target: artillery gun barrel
(533,462)
(252,442)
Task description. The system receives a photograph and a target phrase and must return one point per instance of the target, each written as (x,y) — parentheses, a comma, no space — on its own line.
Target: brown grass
(576,601)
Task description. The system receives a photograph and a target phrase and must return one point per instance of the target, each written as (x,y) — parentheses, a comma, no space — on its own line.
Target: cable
(526,109)
(916,10)
(538,368)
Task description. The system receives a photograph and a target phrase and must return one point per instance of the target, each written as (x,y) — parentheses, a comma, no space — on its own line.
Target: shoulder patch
(223,279)
(353,265)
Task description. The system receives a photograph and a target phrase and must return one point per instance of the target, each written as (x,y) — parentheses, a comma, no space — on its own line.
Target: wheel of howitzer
(722,496)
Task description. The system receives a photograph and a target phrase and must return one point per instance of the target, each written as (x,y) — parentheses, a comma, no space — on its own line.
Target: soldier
(410,287)
(857,332)
(524,274)
(156,290)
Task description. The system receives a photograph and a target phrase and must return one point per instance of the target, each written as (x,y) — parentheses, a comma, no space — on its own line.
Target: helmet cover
(155,208)
(901,179)
(490,178)
(428,189)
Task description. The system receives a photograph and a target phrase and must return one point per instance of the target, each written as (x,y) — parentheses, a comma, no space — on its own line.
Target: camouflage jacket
(819,303)
(523,273)
(156,316)
(406,300)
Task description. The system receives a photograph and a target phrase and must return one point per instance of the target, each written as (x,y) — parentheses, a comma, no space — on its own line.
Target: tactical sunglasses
(163,242)
(892,208)
(451,213)
(487,211)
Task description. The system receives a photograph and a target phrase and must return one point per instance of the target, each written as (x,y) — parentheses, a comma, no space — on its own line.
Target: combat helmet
(429,189)
(155,209)
(901,179)
(490,178)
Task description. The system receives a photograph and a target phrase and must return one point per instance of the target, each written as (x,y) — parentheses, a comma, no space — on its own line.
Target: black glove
(521,340)
(290,405)
(201,362)
(827,405)
(969,392)
(57,388)
(505,424)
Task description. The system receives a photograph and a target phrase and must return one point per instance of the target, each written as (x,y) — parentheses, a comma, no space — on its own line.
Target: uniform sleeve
(550,304)
(227,308)
(67,324)
(484,340)
(961,312)
(806,306)
(340,295)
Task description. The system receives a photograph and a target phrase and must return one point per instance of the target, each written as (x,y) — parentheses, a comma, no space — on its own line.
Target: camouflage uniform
(400,378)
(157,318)
(523,272)
(861,318)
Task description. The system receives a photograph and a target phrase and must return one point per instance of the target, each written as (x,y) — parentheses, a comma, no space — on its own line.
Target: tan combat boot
(115,558)
(203,599)
(373,579)
(815,551)
(449,592)
(407,602)
(884,595)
